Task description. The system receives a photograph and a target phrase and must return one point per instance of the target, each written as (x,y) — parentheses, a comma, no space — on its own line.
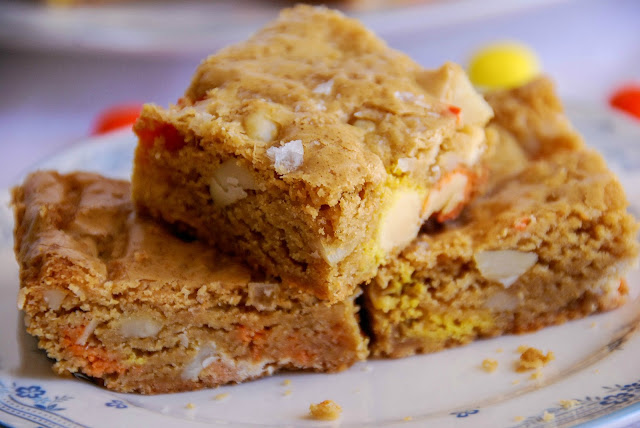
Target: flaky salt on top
(320,78)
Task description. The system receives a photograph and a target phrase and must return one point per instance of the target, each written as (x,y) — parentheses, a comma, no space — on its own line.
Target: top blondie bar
(313,150)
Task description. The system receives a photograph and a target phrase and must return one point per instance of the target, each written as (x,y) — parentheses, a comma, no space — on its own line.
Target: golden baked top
(82,227)
(320,100)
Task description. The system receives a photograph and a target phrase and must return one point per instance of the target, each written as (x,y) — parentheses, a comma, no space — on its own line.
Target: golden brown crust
(117,297)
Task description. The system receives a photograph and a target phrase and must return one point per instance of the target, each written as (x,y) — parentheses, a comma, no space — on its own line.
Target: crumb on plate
(536,375)
(532,358)
(328,410)
(489,365)
(569,404)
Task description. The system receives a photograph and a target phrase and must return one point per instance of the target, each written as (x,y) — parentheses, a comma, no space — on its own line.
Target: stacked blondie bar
(308,175)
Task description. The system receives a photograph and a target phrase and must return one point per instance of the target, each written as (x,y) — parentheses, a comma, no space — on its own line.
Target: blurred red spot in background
(116,117)
(627,99)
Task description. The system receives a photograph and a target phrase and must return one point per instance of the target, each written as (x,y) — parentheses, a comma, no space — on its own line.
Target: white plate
(199,27)
(596,358)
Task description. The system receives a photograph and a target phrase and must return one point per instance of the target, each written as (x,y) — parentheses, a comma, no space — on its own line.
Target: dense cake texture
(117,298)
(313,150)
(550,241)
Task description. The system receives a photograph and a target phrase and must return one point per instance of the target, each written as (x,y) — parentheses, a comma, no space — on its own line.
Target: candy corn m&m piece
(503,66)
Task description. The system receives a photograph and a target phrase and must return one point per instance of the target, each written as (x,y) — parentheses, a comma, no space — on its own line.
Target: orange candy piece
(116,117)
(627,99)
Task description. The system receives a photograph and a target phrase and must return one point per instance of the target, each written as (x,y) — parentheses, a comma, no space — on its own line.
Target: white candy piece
(402,221)
(447,197)
(504,266)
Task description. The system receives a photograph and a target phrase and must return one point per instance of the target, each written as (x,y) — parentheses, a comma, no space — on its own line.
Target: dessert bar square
(313,150)
(550,242)
(116,297)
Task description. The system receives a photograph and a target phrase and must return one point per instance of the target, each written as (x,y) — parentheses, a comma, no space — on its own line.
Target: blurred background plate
(195,27)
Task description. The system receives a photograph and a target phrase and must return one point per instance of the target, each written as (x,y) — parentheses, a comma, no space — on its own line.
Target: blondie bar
(313,150)
(551,241)
(117,298)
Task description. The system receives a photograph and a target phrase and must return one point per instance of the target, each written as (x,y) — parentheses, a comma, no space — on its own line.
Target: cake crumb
(407,418)
(366,369)
(222,396)
(499,350)
(518,418)
(532,358)
(515,381)
(548,417)
(328,410)
(287,392)
(489,365)
(568,404)
(190,406)
(593,324)
(286,382)
(522,348)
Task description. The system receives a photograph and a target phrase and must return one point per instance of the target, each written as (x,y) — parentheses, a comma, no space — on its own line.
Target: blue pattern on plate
(32,403)
(117,404)
(465,413)
(588,408)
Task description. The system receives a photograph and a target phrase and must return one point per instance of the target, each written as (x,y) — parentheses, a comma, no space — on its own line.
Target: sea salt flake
(288,157)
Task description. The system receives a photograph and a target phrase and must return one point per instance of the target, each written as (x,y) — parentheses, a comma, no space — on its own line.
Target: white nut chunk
(364,124)
(401,222)
(447,196)
(504,266)
(54,298)
(502,301)
(288,157)
(335,253)
(260,127)
(324,88)
(230,182)
(139,326)
(453,87)
(263,295)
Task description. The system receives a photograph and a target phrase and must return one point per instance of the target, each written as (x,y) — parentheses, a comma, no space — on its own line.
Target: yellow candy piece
(503,66)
